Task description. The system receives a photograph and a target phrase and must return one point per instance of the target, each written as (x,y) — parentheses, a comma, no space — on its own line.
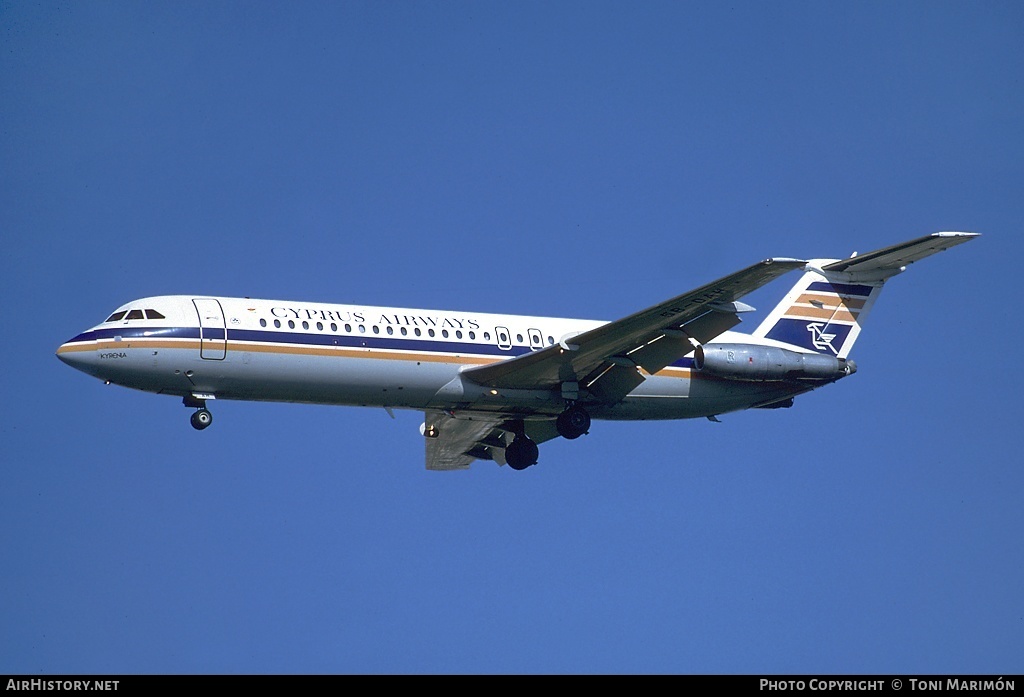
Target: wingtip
(967,235)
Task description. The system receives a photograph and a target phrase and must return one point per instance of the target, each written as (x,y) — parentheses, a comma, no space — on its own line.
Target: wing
(605,361)
(453,442)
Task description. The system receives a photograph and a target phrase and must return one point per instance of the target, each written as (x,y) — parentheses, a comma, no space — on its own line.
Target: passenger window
(134,314)
(263,322)
(417,331)
(458,335)
(305,324)
(390,329)
(153,314)
(277,323)
(430,332)
(334,327)
(362,328)
(320,326)
(291,324)
(404,331)
(444,333)
(376,329)
(472,335)
(117,315)
(348,328)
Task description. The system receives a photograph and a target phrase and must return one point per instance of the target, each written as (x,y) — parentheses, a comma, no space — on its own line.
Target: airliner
(494,386)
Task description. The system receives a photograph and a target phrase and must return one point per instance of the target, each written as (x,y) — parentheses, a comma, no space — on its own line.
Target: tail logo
(820,339)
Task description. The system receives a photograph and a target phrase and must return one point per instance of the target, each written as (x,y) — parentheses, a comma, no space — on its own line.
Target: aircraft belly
(321,379)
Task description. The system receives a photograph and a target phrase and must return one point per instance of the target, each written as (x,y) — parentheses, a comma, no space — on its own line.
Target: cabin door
(504,338)
(213,332)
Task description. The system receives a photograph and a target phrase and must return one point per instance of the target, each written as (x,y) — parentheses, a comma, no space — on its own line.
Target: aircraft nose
(76,356)
(66,354)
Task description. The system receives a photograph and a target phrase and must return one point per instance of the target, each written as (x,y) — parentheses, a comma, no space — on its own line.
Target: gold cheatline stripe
(72,348)
(110,344)
(350,352)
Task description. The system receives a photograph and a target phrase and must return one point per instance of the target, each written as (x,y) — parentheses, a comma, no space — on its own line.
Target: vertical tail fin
(824,311)
(821,314)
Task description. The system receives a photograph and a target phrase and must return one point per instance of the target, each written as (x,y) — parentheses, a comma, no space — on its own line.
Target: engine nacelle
(767,363)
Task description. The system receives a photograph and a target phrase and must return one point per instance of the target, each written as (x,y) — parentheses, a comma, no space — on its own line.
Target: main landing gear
(522,452)
(573,422)
(201,418)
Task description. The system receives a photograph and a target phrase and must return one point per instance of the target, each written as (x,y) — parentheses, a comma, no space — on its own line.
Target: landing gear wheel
(521,453)
(201,419)
(573,422)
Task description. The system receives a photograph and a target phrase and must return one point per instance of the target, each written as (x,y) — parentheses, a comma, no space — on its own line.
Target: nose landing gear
(201,418)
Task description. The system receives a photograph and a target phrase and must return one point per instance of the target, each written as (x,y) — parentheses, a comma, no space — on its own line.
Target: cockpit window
(134,314)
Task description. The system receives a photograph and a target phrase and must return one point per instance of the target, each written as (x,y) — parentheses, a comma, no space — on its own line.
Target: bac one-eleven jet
(492,387)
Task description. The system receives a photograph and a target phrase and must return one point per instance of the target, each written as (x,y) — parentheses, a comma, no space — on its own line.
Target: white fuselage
(268,350)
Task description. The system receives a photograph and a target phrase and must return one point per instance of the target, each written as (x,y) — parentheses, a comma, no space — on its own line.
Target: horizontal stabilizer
(894,258)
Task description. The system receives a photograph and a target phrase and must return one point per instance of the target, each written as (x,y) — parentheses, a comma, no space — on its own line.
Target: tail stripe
(847,302)
(830,306)
(842,288)
(829,313)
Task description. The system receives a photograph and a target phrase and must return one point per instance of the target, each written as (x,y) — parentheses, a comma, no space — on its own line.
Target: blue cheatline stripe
(304,339)
(139,333)
(843,288)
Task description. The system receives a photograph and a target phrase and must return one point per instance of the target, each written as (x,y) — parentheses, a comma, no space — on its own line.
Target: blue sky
(569,159)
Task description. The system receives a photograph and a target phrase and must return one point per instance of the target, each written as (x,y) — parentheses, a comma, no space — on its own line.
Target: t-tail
(825,310)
